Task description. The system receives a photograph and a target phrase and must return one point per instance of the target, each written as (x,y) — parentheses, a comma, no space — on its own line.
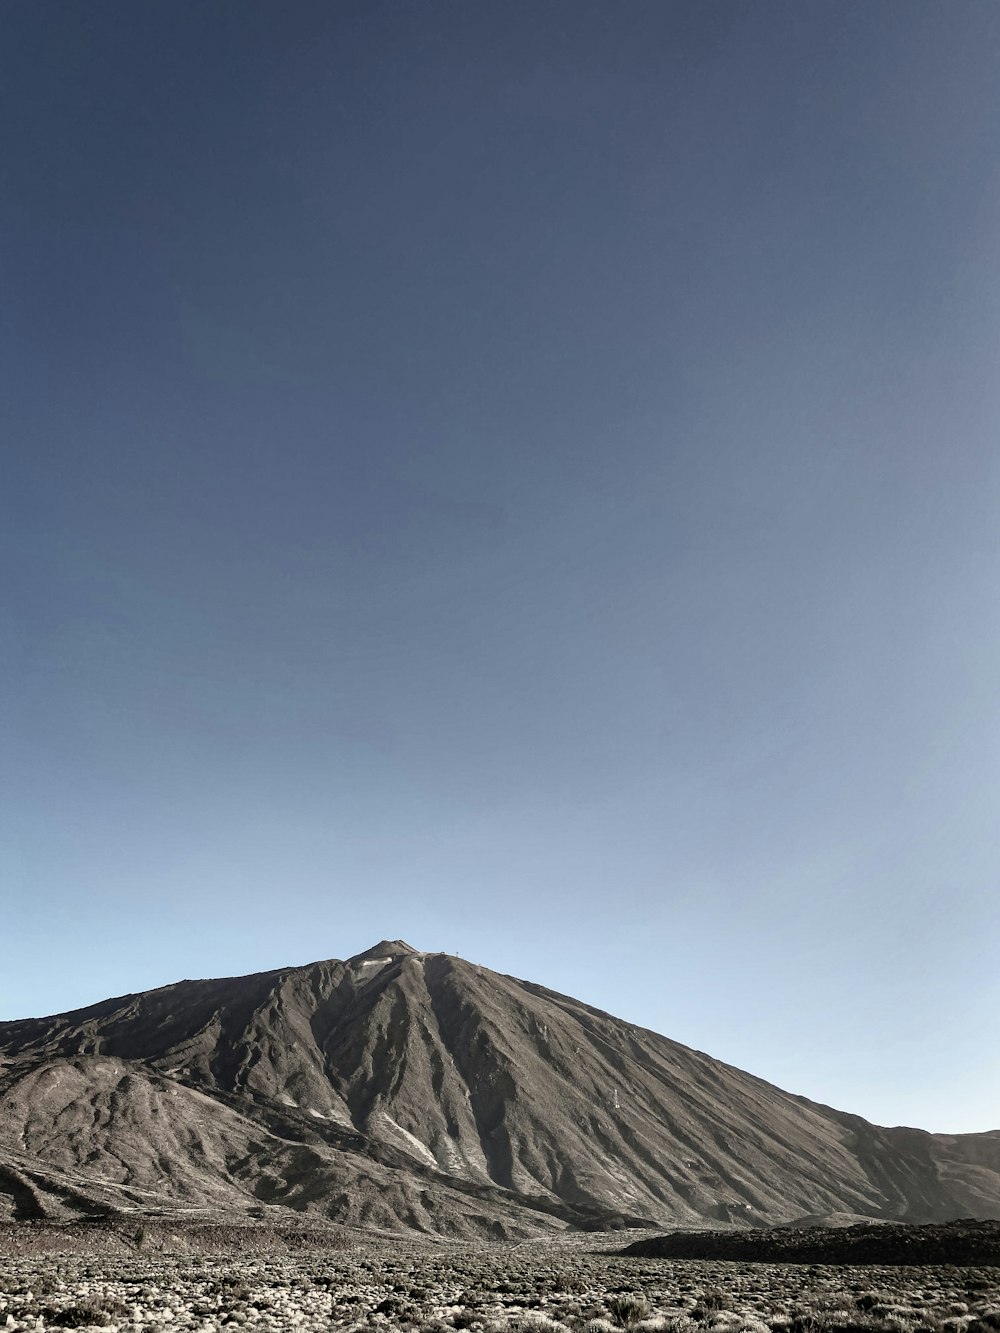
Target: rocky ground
(530,1288)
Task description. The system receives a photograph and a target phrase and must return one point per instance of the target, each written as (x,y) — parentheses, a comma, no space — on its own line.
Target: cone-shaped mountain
(408,1089)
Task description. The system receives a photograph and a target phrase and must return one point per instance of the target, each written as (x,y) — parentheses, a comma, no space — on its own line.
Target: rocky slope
(401,1089)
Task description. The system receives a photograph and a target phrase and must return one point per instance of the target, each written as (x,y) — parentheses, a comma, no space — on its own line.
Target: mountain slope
(399,1088)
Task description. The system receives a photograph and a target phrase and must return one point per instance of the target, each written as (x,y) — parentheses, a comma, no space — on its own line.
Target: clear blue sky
(521,476)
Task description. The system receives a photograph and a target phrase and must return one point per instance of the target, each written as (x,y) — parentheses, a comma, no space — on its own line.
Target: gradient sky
(522,476)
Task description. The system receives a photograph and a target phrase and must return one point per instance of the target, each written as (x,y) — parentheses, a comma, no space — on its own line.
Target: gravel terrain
(531,1288)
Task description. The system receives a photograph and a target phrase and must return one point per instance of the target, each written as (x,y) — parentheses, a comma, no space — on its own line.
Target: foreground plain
(529,1288)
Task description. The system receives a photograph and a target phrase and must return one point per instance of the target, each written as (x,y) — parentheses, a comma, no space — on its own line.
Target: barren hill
(403,1089)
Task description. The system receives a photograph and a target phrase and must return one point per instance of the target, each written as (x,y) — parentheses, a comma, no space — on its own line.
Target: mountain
(400,1089)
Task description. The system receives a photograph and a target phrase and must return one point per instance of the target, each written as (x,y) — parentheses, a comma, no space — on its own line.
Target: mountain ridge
(415,1090)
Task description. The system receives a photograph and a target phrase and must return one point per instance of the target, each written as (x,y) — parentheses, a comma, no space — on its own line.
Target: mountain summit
(403,1089)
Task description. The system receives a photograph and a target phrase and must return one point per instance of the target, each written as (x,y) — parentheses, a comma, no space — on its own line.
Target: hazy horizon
(521,478)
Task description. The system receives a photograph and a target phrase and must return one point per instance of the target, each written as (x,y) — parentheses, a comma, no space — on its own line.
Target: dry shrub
(88,1311)
(628,1308)
(710,1303)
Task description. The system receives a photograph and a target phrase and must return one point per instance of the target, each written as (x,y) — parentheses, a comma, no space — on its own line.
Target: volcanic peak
(388,949)
(418,1091)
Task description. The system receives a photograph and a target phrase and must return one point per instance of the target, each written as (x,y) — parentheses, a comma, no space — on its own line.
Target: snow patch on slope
(421,1149)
